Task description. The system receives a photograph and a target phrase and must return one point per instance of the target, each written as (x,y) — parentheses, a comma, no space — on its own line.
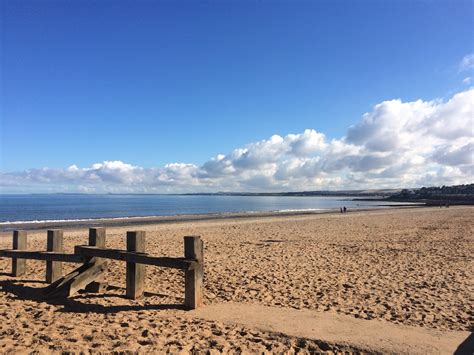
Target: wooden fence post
(54,269)
(135,272)
(19,243)
(193,249)
(97,239)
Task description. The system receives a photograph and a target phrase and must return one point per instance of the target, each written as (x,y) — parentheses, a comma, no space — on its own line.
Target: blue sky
(151,83)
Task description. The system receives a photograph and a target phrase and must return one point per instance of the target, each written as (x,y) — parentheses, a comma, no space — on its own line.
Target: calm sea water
(41,207)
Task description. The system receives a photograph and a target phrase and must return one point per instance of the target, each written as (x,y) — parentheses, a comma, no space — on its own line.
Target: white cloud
(396,144)
(452,156)
(307,143)
(467,62)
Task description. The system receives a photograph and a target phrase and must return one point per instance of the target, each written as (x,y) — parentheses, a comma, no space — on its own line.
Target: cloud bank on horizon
(397,144)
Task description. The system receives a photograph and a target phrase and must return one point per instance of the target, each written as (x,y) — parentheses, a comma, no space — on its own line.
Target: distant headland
(456,194)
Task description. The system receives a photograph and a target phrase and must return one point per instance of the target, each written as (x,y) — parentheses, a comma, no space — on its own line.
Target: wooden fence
(93,257)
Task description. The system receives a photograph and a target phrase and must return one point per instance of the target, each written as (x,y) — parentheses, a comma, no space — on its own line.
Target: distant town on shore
(456,194)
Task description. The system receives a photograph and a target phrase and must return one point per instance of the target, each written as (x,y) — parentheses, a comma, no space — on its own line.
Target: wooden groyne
(89,276)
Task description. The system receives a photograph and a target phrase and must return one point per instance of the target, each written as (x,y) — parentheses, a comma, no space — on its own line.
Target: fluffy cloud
(397,144)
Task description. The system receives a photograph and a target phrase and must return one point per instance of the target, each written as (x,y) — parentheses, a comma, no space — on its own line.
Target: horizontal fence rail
(43,255)
(93,257)
(134,257)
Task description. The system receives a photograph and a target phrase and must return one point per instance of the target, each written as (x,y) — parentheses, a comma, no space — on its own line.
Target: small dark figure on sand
(341,209)
(345,209)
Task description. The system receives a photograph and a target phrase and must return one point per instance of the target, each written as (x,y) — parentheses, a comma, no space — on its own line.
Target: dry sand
(406,267)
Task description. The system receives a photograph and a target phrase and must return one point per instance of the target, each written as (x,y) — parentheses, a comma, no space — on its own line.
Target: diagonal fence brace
(77,280)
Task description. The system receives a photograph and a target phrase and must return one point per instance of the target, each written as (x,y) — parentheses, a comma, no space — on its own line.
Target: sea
(71,207)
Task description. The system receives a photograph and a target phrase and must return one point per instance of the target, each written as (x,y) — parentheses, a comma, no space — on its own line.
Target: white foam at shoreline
(72,220)
(305,209)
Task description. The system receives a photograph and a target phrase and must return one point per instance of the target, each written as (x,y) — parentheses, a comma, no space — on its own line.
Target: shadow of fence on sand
(74,305)
(466,347)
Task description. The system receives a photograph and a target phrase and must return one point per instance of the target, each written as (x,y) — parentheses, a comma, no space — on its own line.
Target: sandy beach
(409,269)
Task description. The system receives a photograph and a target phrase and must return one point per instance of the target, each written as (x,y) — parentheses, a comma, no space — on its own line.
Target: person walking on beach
(341,209)
(345,209)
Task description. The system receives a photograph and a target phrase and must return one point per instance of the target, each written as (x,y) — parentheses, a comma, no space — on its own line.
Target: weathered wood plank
(44,255)
(135,277)
(76,280)
(54,269)
(193,249)
(95,272)
(19,243)
(97,239)
(63,280)
(139,258)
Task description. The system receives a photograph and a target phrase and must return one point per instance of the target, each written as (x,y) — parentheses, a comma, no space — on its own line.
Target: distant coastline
(462,194)
(322,193)
(454,195)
